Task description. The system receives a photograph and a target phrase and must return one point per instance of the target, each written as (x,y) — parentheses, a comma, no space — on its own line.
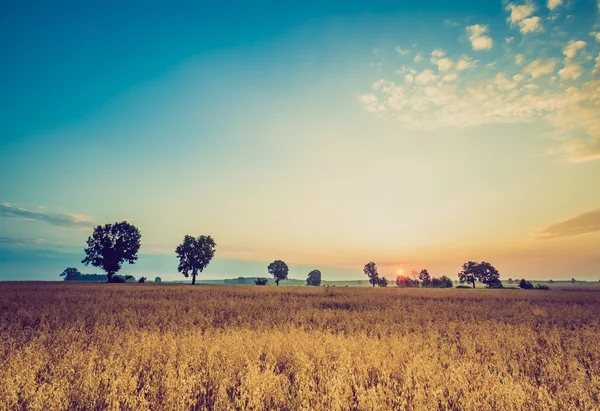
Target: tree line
(111,245)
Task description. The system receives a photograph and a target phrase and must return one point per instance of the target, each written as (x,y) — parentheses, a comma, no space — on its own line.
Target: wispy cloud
(585,223)
(20,241)
(521,15)
(70,220)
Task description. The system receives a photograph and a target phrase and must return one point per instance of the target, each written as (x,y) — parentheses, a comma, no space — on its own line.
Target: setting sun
(399,272)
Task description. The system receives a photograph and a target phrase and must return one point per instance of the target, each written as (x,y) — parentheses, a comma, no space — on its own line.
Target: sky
(325,134)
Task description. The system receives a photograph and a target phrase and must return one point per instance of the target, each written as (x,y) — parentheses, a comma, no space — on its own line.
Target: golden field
(178,347)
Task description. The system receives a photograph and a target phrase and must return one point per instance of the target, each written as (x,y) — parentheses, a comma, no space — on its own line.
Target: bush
(142,280)
(383,282)
(261,281)
(463,286)
(406,282)
(541,287)
(442,282)
(526,285)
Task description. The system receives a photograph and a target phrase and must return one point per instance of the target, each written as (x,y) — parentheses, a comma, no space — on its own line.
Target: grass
(178,347)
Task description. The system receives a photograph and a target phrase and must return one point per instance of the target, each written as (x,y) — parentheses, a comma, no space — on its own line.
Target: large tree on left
(111,245)
(194,255)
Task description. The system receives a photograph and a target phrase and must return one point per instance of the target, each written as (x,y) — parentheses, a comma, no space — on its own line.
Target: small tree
(406,282)
(111,245)
(142,280)
(483,272)
(314,278)
(573,281)
(158,280)
(261,281)
(70,274)
(371,271)
(526,285)
(442,282)
(279,270)
(510,281)
(383,282)
(425,278)
(194,255)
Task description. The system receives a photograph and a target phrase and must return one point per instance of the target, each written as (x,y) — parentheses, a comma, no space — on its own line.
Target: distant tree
(314,278)
(70,274)
(526,285)
(483,272)
(111,245)
(573,281)
(383,282)
(261,281)
(406,282)
(551,281)
(142,280)
(442,282)
(194,255)
(510,281)
(158,280)
(425,278)
(279,270)
(371,271)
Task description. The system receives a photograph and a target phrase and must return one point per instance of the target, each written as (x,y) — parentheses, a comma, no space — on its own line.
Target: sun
(399,272)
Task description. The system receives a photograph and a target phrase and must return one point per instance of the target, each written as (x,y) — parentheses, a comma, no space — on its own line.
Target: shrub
(526,285)
(142,280)
(406,282)
(442,282)
(463,286)
(261,281)
(541,287)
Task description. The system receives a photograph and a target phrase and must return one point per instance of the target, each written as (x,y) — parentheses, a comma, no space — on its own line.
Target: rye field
(182,347)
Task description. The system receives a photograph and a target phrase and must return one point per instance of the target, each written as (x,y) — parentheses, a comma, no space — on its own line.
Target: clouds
(521,16)
(20,241)
(478,37)
(552,4)
(540,67)
(68,220)
(585,223)
(571,49)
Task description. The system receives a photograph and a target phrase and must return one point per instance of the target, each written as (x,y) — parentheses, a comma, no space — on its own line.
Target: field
(178,347)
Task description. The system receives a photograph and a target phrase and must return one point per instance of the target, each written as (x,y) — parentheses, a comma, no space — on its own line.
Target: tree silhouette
(314,278)
(573,281)
(194,255)
(483,272)
(383,282)
(70,273)
(425,278)
(111,245)
(371,271)
(279,270)
(261,281)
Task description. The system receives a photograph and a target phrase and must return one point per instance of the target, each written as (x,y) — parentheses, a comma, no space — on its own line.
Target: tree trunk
(193,279)
(473,283)
(277,282)
(109,276)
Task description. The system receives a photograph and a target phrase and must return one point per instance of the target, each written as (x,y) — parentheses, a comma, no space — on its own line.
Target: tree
(261,281)
(483,272)
(111,245)
(573,281)
(279,270)
(526,285)
(314,278)
(70,273)
(194,255)
(142,280)
(442,282)
(551,281)
(371,271)
(383,282)
(510,281)
(406,282)
(425,278)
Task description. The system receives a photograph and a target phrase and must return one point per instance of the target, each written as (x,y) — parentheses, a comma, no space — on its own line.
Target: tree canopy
(194,255)
(425,278)
(279,270)
(483,272)
(70,273)
(111,245)
(314,278)
(370,271)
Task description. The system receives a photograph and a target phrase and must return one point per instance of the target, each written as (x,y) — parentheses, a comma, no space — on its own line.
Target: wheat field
(178,347)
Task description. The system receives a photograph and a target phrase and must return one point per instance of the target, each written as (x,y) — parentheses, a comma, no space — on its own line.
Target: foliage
(194,255)
(111,245)
(70,274)
(511,281)
(442,282)
(483,272)
(370,271)
(142,280)
(279,270)
(541,287)
(157,280)
(425,278)
(383,282)
(462,286)
(269,348)
(406,282)
(261,281)
(526,285)
(314,278)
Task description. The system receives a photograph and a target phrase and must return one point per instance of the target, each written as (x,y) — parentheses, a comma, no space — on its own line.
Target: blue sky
(327,135)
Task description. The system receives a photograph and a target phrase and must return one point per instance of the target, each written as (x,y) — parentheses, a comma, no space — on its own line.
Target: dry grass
(145,346)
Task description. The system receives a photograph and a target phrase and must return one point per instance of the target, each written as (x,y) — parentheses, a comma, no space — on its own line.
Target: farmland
(147,346)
